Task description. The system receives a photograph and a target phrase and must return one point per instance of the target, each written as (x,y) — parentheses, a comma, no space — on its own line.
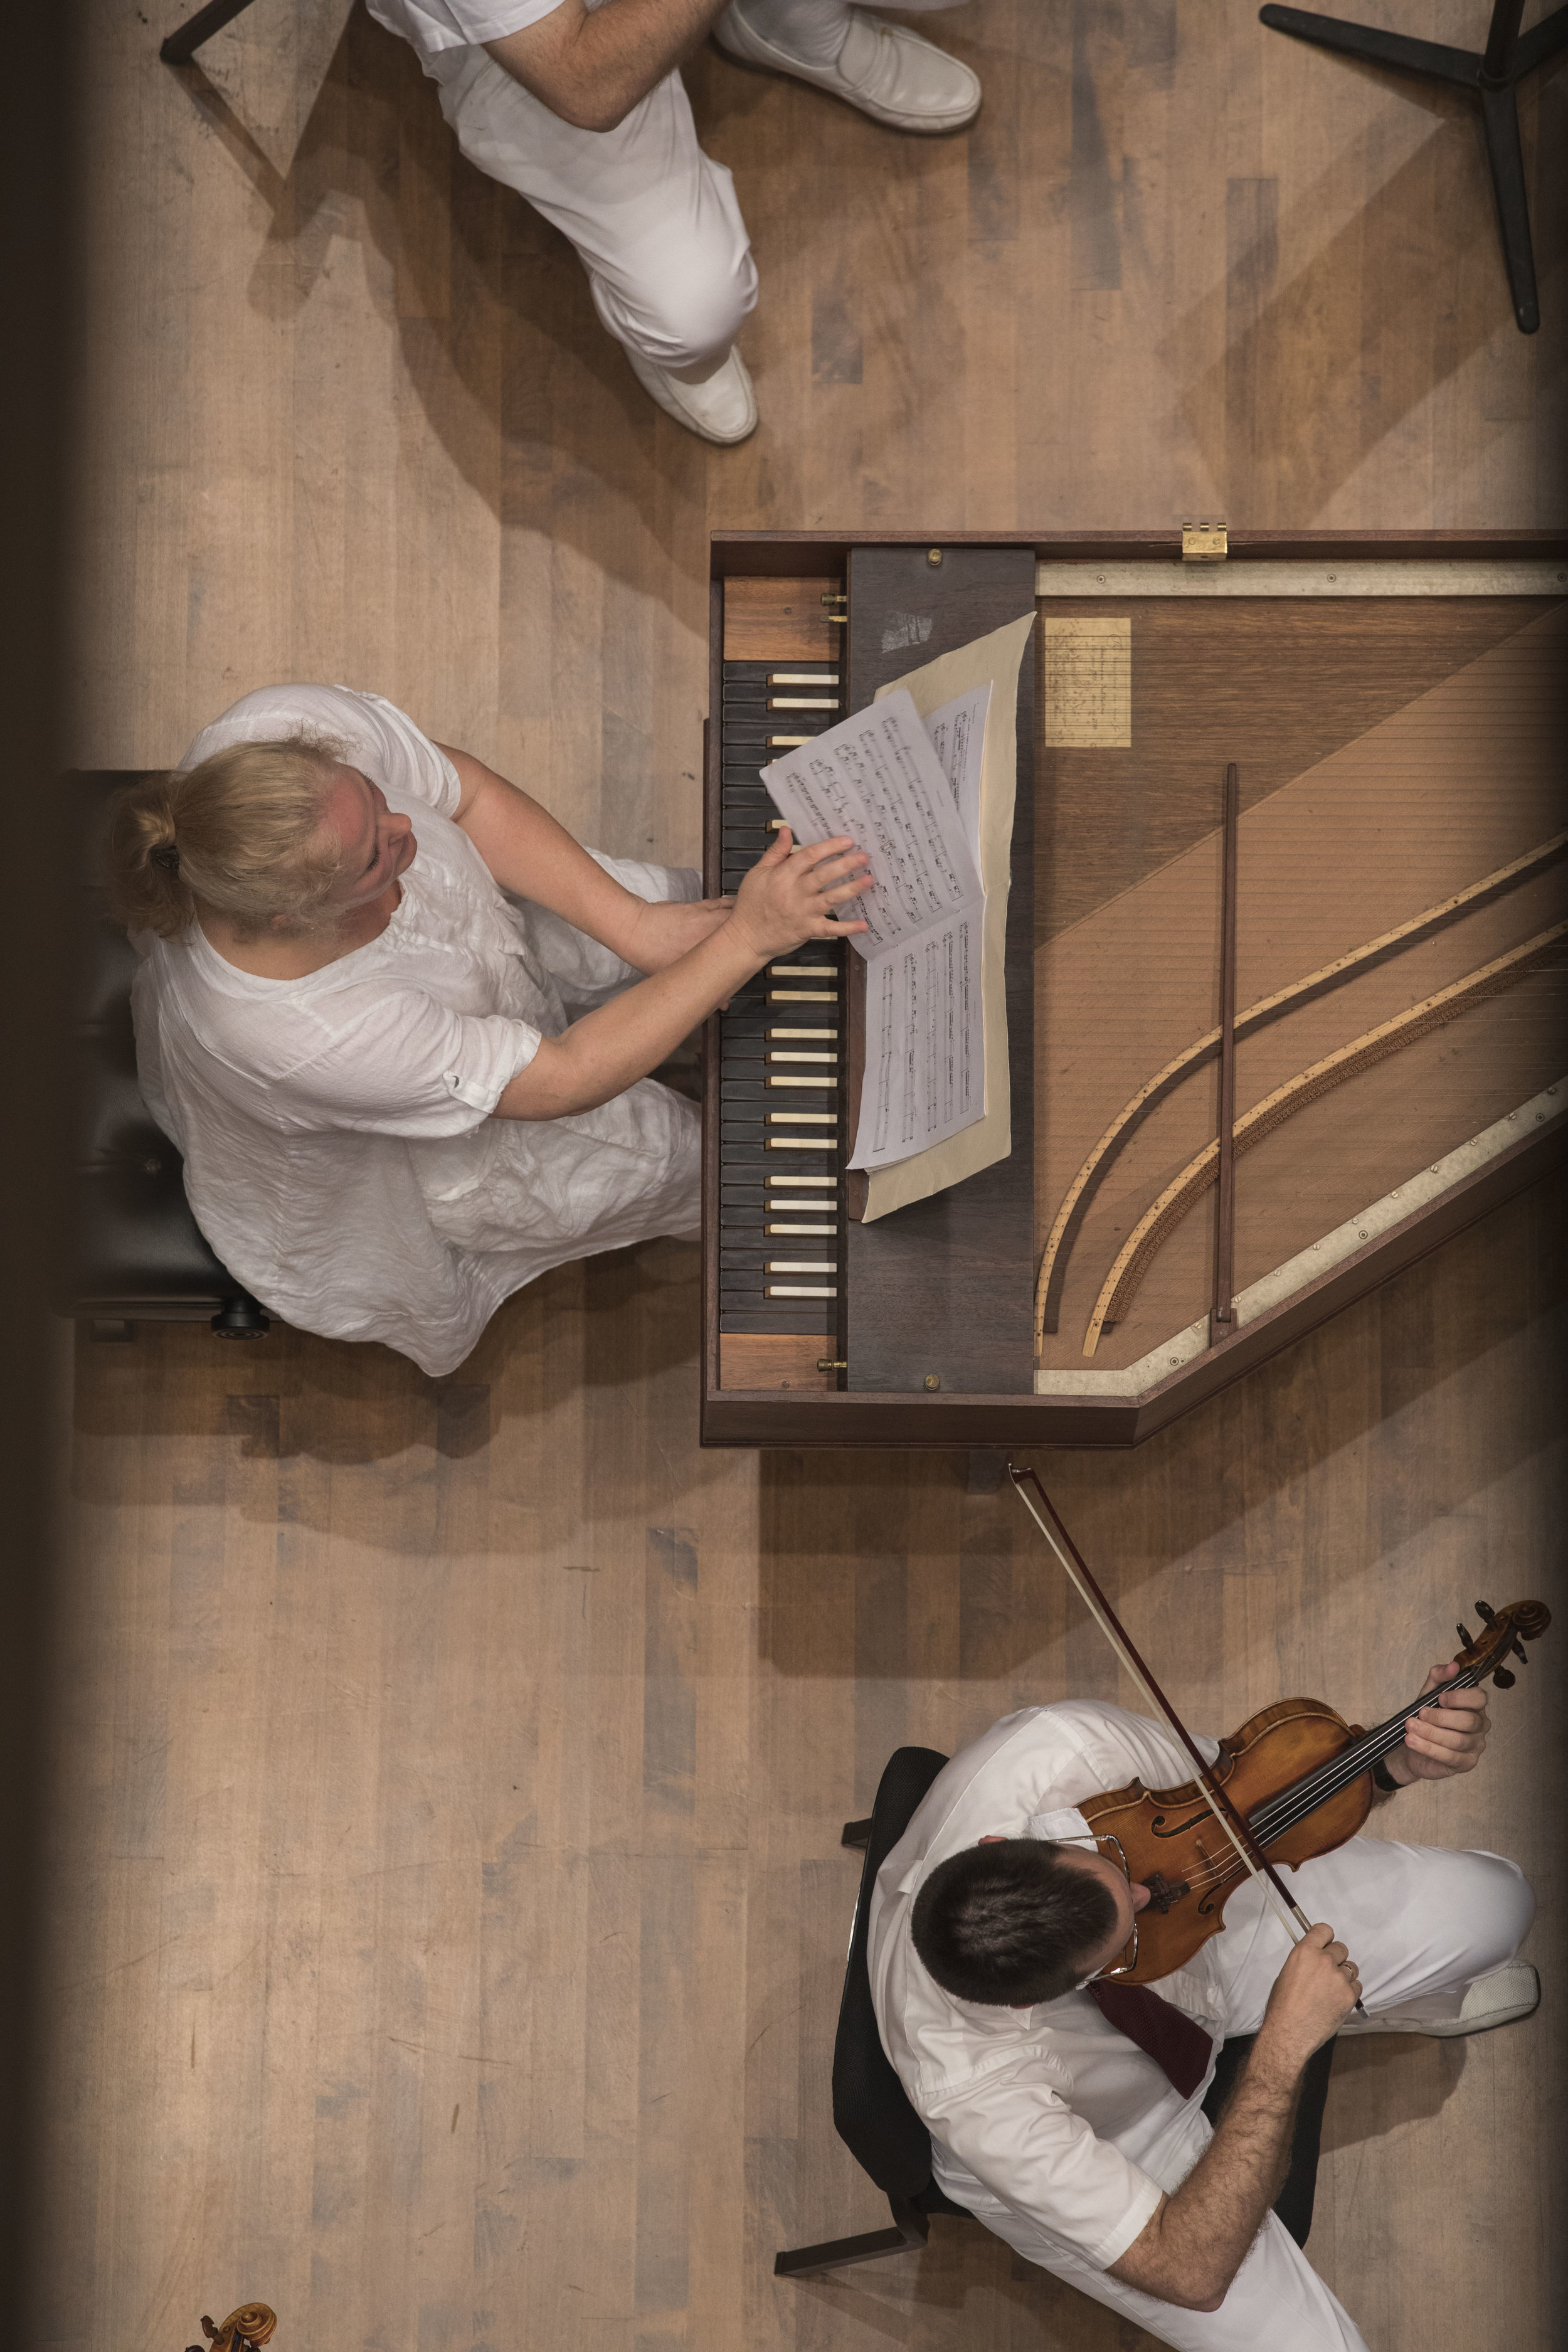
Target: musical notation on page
(908,796)
(957,732)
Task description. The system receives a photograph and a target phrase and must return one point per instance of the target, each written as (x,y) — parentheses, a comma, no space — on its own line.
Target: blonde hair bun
(239,835)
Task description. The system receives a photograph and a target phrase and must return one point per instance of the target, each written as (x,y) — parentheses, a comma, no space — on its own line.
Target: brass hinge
(1204,542)
(832,1364)
(838,598)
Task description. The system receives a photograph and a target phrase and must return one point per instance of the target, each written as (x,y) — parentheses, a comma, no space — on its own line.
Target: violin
(1300,1778)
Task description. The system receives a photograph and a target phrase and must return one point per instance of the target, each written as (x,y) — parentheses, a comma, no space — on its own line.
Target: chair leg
(1505,160)
(1431,60)
(910,2227)
(857,1835)
(181,47)
(1490,78)
(241,1318)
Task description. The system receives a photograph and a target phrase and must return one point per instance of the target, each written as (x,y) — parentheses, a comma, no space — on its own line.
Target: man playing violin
(1066,2111)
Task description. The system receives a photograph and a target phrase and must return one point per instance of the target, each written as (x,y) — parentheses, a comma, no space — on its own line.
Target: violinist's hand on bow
(1442,1740)
(1314,1994)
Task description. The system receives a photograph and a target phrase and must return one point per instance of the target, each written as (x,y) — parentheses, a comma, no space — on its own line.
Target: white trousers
(1422,1924)
(655,221)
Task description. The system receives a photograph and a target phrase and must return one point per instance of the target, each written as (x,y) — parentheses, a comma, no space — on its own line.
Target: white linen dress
(339,1155)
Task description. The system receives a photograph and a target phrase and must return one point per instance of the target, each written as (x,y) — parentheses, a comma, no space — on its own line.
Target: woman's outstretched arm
(530,853)
(784,900)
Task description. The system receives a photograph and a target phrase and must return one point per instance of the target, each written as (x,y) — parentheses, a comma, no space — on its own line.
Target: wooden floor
(451,1773)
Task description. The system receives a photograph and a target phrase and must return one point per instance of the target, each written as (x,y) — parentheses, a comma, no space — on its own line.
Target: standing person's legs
(814,30)
(653,220)
(888,72)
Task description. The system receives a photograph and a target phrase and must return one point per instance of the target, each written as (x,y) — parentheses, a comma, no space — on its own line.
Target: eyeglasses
(1129,1960)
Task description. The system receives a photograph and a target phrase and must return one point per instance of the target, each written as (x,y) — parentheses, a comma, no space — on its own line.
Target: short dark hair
(1011,1923)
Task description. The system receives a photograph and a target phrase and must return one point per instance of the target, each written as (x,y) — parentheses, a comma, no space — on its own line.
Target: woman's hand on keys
(786,896)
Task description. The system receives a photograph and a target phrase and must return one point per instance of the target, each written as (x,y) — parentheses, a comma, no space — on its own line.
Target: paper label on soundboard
(1089,683)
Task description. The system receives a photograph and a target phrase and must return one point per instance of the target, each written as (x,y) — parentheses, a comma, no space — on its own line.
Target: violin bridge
(1162,1893)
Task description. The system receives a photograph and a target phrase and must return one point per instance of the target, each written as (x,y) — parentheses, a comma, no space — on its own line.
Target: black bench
(139,1254)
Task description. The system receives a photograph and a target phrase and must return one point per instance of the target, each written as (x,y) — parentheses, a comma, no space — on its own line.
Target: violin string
(1281,1814)
(1304,1797)
(1269,1826)
(1307,1795)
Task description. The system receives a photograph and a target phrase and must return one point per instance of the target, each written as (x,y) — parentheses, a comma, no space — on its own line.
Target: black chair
(870,2113)
(880,2128)
(139,1255)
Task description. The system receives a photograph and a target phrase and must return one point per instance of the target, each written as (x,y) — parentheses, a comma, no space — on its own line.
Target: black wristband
(1382,1778)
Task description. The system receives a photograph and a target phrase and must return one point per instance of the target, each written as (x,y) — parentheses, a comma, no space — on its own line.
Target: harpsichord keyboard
(782,1057)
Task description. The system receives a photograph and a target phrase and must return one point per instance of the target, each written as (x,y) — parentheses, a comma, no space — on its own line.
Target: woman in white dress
(394,1017)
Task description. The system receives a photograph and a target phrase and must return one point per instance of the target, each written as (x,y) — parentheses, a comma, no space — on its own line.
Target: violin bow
(1256,1861)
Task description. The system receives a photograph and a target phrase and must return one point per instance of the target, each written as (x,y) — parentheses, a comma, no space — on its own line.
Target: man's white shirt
(1051,2108)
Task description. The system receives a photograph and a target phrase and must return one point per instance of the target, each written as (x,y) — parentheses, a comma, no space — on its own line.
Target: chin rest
(139,1254)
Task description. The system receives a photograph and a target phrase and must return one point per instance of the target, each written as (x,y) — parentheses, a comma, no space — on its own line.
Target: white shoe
(890,73)
(1495,1999)
(1508,1992)
(722,408)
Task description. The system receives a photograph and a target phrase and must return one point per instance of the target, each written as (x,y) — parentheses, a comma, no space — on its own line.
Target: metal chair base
(1491,79)
(181,47)
(910,2227)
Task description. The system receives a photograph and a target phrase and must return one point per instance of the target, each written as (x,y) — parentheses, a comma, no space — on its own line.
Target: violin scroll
(1506,1631)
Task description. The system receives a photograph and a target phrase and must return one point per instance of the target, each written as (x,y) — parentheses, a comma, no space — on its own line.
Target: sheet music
(925,1044)
(908,794)
(991,663)
(957,733)
(875,777)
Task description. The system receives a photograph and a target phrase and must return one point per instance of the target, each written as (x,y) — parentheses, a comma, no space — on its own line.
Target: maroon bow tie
(1177,2046)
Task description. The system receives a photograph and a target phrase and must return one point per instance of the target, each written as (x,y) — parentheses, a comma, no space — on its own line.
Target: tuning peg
(1503,1679)
(1519,1653)
(1488,1615)
(1466,1636)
